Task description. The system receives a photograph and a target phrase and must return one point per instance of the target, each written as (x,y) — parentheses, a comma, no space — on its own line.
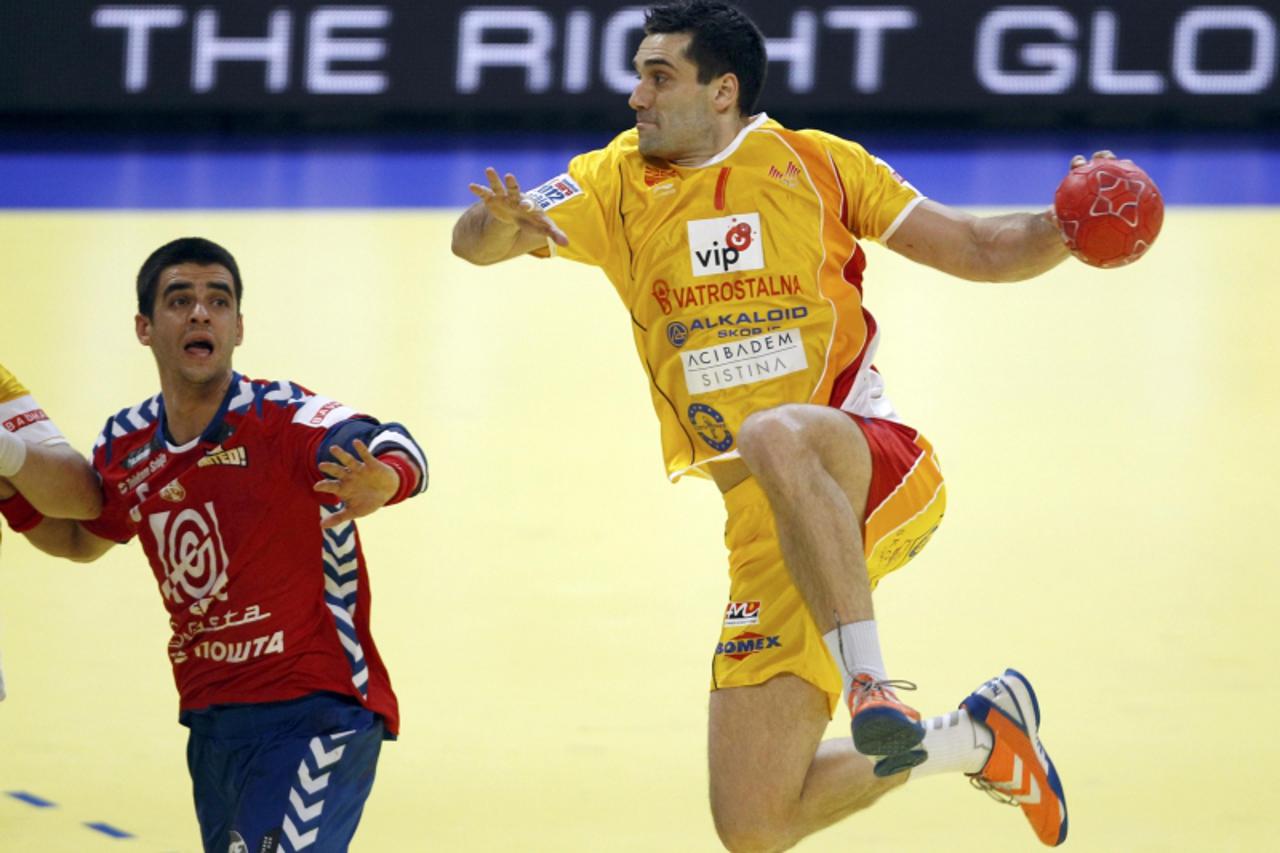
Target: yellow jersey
(743,275)
(22,415)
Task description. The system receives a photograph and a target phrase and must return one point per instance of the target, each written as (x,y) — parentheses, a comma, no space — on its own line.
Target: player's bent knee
(768,439)
(784,445)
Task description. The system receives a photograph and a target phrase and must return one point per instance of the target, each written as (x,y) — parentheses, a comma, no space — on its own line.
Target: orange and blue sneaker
(884,726)
(1019,771)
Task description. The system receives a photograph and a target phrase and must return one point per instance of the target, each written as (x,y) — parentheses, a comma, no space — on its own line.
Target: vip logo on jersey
(191,551)
(727,244)
(710,427)
(747,644)
(742,613)
(237,844)
(237,456)
(25,419)
(556,191)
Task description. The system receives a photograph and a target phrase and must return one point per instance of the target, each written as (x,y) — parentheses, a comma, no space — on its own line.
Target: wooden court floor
(548,609)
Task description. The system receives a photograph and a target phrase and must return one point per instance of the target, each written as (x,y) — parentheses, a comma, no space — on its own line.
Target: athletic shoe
(893,764)
(881,724)
(1019,771)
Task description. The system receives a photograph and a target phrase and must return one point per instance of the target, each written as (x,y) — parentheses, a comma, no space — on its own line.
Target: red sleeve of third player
(300,439)
(114,522)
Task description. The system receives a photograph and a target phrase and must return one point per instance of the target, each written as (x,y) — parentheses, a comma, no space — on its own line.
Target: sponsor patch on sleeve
(556,191)
(322,413)
(23,415)
(25,419)
(896,175)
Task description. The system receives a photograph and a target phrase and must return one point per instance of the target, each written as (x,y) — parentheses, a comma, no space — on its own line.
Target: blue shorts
(282,776)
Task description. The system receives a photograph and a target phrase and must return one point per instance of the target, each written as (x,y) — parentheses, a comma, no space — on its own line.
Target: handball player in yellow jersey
(734,244)
(40,473)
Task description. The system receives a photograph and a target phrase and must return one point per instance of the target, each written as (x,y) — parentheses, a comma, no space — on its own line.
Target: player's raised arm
(1018,246)
(1011,247)
(503,224)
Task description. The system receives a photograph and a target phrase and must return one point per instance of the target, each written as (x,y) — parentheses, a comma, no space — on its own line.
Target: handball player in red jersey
(244,495)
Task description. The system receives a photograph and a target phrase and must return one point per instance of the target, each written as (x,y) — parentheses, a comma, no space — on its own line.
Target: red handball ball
(1109,212)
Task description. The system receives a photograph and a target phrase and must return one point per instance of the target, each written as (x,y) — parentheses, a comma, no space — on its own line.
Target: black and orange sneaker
(883,725)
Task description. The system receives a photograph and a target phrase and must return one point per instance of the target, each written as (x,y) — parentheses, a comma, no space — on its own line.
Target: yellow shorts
(767,628)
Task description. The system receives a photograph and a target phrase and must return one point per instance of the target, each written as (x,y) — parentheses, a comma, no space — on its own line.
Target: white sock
(856,648)
(955,742)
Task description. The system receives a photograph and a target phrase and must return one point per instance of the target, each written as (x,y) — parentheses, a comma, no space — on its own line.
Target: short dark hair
(722,40)
(184,250)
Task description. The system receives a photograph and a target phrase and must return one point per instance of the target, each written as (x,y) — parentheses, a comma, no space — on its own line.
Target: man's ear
(142,328)
(726,96)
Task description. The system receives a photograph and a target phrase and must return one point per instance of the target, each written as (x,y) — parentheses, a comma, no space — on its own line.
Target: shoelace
(991,790)
(866,688)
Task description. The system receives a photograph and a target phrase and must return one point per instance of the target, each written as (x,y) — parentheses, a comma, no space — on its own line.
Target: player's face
(195,323)
(674,112)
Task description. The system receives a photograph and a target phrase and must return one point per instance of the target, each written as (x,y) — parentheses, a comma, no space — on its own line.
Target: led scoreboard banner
(1199,62)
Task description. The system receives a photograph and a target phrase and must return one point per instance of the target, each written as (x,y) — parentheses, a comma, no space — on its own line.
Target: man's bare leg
(815,467)
(773,779)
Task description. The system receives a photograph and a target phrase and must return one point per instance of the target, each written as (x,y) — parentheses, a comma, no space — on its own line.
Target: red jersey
(264,605)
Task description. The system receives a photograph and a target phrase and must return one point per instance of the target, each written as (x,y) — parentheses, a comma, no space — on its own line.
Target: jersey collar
(215,432)
(737,140)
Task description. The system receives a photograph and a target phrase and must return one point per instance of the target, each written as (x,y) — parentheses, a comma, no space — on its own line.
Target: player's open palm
(506,203)
(362,482)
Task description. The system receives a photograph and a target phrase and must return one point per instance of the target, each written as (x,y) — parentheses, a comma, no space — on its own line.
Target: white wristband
(13,453)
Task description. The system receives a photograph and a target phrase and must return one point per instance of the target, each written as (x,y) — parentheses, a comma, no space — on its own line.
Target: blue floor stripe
(42,803)
(426,171)
(108,829)
(31,799)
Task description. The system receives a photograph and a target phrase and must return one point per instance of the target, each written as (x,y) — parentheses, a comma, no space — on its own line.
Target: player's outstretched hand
(1078,160)
(364,484)
(506,203)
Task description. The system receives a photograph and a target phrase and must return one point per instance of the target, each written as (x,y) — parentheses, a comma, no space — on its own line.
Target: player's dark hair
(184,250)
(722,41)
